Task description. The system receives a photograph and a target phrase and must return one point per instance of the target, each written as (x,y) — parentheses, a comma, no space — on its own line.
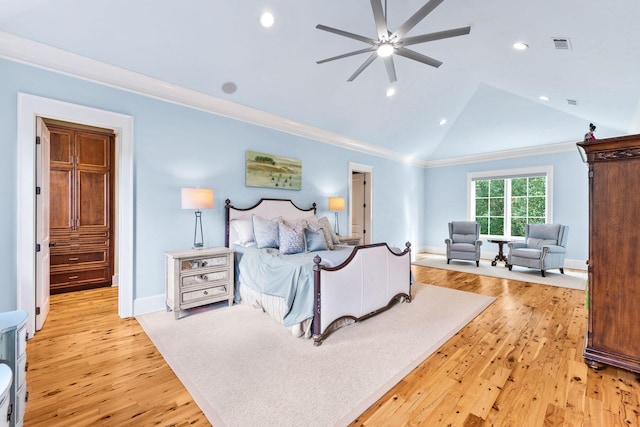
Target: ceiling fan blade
(391,69)
(346,55)
(378,15)
(415,18)
(346,34)
(436,36)
(363,66)
(418,57)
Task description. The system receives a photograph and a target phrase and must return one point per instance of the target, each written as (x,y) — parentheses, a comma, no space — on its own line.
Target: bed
(320,288)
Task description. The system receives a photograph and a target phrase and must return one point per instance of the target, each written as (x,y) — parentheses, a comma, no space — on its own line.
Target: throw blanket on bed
(287,276)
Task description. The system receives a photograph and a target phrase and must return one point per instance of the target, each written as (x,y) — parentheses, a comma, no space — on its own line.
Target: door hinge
(590,174)
(37,247)
(37,311)
(37,140)
(37,191)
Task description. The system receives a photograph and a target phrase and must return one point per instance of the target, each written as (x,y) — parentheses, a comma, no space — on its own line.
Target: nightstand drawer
(214,261)
(200,294)
(212,276)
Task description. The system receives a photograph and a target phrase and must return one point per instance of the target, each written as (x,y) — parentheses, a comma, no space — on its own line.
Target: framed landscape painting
(271,171)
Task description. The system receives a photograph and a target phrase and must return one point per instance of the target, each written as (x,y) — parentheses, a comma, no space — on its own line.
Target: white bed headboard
(265,208)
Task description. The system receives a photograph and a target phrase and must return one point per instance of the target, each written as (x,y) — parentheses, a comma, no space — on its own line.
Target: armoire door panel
(61,200)
(93,203)
(92,150)
(61,150)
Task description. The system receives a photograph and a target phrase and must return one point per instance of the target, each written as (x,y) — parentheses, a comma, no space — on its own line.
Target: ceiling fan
(388,44)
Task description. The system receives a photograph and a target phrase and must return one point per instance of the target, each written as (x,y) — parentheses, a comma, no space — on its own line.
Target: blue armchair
(544,247)
(463,242)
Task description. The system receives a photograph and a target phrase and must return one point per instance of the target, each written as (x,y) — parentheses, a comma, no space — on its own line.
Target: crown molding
(39,55)
(562,147)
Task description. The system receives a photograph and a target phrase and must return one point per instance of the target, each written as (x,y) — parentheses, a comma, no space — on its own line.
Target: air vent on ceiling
(562,43)
(572,102)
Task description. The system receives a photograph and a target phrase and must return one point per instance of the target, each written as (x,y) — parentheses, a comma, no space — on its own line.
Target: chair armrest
(478,243)
(516,245)
(554,249)
(448,242)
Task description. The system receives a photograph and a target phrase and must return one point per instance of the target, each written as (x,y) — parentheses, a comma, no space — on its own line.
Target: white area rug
(244,369)
(570,279)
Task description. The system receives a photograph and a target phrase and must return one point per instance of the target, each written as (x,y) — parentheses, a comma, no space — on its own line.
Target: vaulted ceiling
(488,92)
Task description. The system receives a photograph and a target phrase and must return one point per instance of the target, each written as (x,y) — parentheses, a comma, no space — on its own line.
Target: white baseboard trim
(574,264)
(149,304)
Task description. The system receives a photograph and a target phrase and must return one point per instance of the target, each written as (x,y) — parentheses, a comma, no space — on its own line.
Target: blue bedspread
(287,276)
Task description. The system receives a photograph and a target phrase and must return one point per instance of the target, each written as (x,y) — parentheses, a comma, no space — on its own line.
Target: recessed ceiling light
(544,98)
(442,122)
(520,46)
(267,20)
(391,91)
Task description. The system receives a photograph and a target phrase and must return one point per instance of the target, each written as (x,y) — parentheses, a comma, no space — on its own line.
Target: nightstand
(198,277)
(349,240)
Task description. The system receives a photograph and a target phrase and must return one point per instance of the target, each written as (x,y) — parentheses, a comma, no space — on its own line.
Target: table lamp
(197,198)
(336,204)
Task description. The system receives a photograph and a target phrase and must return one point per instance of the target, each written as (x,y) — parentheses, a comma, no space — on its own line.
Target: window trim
(510,173)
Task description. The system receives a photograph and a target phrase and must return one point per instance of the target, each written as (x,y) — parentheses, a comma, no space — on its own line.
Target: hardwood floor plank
(519,363)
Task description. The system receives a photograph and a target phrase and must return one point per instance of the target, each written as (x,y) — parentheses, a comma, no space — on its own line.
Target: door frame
(357,167)
(30,107)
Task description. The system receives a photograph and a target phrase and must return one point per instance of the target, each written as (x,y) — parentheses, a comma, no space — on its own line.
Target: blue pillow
(291,239)
(265,232)
(315,240)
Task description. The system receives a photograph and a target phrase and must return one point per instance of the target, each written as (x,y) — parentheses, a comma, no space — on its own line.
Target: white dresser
(197,277)
(13,352)
(6,378)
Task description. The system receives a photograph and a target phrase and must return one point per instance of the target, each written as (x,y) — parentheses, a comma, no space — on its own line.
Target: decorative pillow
(291,238)
(314,225)
(314,240)
(265,231)
(324,221)
(244,231)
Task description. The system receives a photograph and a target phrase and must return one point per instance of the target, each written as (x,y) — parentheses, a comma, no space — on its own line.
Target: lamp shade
(197,198)
(336,203)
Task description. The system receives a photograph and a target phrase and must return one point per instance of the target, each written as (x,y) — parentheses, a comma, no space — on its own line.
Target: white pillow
(244,231)
(324,221)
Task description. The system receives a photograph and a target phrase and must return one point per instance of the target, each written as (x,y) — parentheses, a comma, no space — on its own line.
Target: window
(502,202)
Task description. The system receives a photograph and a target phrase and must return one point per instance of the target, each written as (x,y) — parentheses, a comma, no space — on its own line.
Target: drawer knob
(204,263)
(204,277)
(206,293)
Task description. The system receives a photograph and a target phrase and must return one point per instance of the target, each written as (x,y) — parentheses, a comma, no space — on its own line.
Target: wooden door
(42,223)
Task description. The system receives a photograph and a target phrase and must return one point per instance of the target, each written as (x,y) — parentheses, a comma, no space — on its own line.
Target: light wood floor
(517,364)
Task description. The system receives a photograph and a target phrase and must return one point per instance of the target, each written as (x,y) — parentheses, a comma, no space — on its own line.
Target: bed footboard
(365,284)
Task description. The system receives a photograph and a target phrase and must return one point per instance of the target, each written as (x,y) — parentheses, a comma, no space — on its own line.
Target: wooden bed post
(317,332)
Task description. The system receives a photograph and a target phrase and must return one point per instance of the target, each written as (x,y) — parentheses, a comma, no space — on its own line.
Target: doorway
(30,107)
(360,203)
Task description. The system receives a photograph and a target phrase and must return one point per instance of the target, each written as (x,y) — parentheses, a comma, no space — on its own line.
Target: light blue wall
(174,147)
(446,197)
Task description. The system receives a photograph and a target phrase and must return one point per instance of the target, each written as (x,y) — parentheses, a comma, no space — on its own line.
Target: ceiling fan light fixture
(385,50)
(520,46)
(267,19)
(391,91)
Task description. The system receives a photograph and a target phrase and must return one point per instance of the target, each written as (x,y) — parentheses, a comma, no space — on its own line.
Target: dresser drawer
(213,292)
(213,261)
(21,341)
(20,376)
(200,279)
(71,277)
(85,257)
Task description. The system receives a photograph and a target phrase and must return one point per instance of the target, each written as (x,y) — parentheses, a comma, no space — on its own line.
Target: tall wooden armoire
(81,207)
(613,330)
